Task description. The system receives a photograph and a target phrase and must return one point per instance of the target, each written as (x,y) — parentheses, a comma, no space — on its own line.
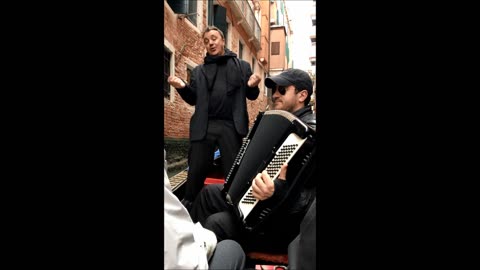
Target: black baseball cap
(297,77)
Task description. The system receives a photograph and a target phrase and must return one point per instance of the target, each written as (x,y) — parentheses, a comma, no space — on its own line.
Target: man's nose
(274,92)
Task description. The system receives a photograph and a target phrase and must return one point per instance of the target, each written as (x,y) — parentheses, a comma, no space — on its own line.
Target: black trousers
(212,211)
(228,254)
(220,133)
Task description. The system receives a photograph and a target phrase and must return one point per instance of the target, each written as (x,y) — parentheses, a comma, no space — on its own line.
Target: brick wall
(187,43)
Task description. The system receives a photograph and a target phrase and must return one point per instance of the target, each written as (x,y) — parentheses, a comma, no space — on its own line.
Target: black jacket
(306,193)
(302,250)
(307,116)
(196,93)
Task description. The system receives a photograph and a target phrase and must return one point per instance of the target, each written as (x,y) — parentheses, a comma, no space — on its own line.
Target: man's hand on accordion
(263,186)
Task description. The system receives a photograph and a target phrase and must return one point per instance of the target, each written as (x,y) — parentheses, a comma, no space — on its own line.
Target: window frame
(254,63)
(240,49)
(193,11)
(186,7)
(166,72)
(275,45)
(169,47)
(190,65)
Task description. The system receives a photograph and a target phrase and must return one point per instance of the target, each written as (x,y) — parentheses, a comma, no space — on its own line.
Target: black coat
(307,194)
(302,250)
(197,94)
(307,116)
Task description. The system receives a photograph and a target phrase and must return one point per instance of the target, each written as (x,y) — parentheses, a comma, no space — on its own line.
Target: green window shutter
(220,19)
(178,6)
(287,52)
(210,12)
(192,9)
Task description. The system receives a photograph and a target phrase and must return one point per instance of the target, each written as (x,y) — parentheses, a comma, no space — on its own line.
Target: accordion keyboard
(283,155)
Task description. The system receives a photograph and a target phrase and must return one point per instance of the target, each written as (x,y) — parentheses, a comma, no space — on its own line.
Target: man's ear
(303,96)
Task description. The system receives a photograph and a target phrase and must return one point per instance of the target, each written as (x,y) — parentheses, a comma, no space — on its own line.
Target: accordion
(277,137)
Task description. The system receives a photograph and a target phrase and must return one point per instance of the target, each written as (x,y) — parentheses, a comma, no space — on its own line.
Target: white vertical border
(229,33)
(190,64)
(200,22)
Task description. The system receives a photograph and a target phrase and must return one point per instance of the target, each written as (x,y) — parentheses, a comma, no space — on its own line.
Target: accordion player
(277,137)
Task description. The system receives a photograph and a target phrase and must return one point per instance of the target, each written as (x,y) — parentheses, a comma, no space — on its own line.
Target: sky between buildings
(299,14)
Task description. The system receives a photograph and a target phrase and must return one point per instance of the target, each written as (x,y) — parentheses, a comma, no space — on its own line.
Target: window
(166,72)
(210,12)
(185,7)
(190,66)
(265,88)
(217,16)
(253,65)
(192,11)
(240,50)
(228,35)
(275,48)
(189,74)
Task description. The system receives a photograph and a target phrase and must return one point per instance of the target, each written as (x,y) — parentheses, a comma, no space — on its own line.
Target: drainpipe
(269,36)
(269,50)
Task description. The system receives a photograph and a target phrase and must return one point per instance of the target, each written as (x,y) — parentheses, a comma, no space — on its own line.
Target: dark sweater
(220,104)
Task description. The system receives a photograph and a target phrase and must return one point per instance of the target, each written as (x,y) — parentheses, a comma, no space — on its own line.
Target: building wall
(289,32)
(278,62)
(188,48)
(265,36)
(280,31)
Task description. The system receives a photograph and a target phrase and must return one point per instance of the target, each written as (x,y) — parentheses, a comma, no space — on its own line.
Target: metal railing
(246,16)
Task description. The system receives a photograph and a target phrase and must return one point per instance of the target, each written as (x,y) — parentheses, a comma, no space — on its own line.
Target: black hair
(210,28)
